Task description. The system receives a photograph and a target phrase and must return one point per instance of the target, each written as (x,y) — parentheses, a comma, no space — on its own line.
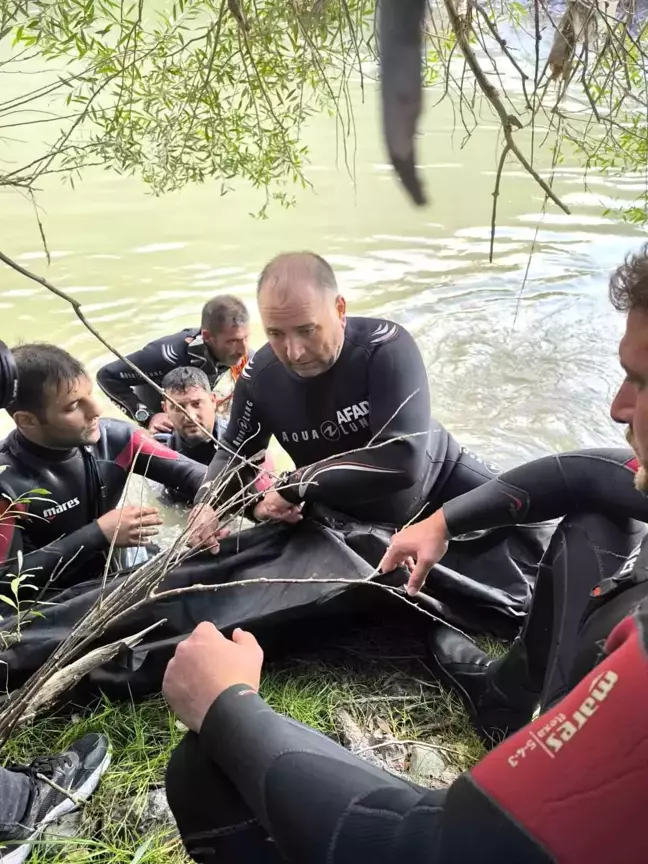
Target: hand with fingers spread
(204,666)
(204,530)
(130,526)
(276,509)
(426,542)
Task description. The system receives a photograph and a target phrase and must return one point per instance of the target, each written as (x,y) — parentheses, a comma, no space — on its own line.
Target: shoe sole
(21,853)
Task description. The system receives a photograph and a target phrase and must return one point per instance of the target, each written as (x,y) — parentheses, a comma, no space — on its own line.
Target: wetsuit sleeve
(399,420)
(65,556)
(117,379)
(569,787)
(245,436)
(158,462)
(601,480)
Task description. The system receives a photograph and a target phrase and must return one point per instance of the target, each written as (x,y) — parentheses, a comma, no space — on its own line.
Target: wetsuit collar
(47,454)
(199,351)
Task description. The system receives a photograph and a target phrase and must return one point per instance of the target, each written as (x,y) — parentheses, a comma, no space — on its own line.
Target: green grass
(363,674)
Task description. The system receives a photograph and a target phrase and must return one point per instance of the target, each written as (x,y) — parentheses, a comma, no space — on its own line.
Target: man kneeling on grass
(63,473)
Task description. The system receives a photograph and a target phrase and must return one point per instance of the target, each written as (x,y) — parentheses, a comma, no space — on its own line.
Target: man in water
(63,472)
(219,348)
(247,784)
(189,389)
(348,400)
(595,568)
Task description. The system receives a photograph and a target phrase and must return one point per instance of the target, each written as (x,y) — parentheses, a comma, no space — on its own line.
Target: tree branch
(508,121)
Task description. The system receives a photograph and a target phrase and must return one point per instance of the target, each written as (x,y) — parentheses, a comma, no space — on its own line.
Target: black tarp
(323,546)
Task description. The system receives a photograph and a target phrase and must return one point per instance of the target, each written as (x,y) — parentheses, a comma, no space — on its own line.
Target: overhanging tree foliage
(178,92)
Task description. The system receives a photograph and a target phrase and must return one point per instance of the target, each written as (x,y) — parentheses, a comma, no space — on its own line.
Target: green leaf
(40,492)
(8,601)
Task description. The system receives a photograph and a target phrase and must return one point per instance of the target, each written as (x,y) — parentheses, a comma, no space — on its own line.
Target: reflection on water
(512,373)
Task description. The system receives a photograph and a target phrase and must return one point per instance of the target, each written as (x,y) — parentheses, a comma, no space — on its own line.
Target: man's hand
(274,507)
(426,542)
(134,526)
(159,423)
(204,666)
(203,529)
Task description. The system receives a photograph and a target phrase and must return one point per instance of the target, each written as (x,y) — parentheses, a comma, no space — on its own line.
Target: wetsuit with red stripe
(598,480)
(58,495)
(568,788)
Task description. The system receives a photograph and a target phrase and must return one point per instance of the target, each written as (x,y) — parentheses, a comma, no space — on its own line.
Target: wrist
(441,524)
(287,487)
(228,695)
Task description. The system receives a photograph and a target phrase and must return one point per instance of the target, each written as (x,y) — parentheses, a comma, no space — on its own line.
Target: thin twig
(498,178)
(508,121)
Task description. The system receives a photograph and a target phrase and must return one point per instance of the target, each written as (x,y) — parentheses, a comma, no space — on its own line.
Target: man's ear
(165,407)
(340,306)
(26,420)
(214,398)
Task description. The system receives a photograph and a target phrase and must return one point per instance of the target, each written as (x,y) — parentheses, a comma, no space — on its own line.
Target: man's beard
(641,477)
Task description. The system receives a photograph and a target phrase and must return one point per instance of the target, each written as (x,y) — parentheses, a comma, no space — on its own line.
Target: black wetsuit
(185,348)
(60,494)
(376,392)
(569,787)
(603,525)
(202,452)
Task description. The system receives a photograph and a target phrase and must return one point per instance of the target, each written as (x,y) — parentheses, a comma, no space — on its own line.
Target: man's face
(304,325)
(630,404)
(200,405)
(229,345)
(70,417)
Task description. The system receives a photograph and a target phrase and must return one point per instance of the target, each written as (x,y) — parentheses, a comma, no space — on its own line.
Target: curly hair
(629,283)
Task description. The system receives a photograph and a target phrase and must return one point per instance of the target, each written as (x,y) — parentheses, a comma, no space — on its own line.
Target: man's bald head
(298,268)
(302,312)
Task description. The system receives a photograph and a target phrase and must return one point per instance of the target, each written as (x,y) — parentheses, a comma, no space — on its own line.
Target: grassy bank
(384,693)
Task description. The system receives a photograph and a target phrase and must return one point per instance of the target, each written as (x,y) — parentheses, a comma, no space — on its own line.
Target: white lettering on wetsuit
(350,419)
(134,376)
(244,424)
(60,508)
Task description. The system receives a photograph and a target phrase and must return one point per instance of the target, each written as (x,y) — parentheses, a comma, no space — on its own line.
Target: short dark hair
(305,265)
(185,378)
(42,367)
(629,283)
(223,311)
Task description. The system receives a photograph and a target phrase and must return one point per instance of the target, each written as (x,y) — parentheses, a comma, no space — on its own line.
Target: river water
(514,371)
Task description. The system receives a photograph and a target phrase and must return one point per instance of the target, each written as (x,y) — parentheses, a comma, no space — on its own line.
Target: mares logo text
(60,508)
(600,689)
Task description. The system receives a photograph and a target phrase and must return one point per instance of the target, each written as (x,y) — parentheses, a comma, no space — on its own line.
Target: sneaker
(78,771)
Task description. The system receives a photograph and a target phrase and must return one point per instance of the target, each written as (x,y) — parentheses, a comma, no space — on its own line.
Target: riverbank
(372,693)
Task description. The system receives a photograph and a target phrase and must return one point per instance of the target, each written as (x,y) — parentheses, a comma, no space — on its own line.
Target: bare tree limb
(508,121)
